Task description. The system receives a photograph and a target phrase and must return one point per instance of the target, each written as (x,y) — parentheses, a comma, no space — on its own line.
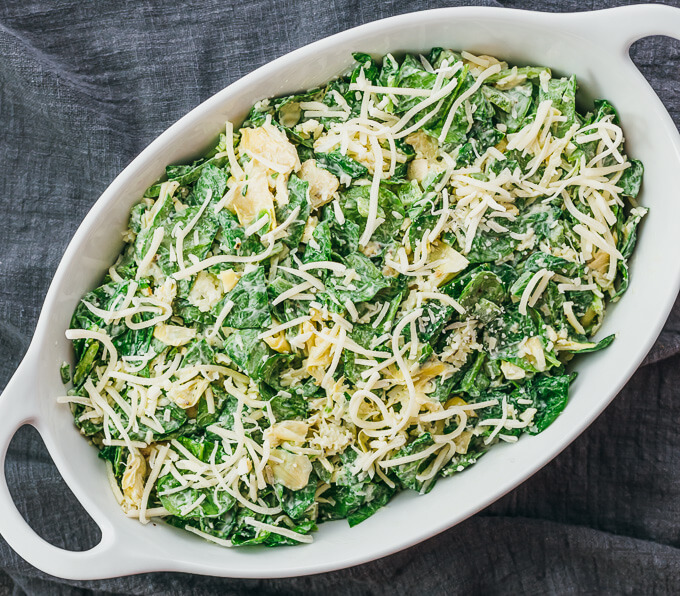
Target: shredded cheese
(373,373)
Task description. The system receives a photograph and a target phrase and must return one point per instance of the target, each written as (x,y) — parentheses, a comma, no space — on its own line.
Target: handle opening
(42,497)
(648,57)
(18,407)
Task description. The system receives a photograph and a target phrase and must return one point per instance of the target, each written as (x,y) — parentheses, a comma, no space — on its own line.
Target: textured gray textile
(84,86)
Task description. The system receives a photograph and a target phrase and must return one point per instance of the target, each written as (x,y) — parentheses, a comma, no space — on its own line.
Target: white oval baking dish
(592,45)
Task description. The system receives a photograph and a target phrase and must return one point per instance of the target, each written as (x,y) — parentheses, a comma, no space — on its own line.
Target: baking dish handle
(625,25)
(18,406)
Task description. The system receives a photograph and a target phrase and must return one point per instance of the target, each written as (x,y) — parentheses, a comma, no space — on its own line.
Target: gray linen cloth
(85,86)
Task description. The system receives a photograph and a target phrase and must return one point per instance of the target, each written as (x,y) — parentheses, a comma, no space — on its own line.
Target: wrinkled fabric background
(84,87)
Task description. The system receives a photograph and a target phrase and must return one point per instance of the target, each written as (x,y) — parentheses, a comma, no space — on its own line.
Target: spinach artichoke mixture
(358,292)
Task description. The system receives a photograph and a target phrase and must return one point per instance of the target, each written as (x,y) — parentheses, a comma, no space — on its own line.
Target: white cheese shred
(277,530)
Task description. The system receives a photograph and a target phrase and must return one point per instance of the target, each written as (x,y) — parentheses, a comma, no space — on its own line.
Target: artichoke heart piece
(449,262)
(293,431)
(133,479)
(206,291)
(255,199)
(289,469)
(322,184)
(186,395)
(270,147)
(173,335)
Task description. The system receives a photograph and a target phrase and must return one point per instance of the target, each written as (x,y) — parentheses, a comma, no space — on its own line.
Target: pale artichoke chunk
(167,291)
(511,371)
(133,479)
(270,147)
(449,262)
(206,292)
(173,335)
(418,169)
(322,184)
(289,114)
(256,201)
(278,342)
(289,469)
(534,353)
(186,395)
(424,145)
(229,279)
(292,431)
